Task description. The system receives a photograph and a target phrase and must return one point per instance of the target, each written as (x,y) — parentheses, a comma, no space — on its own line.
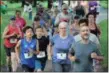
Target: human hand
(93,55)
(73,58)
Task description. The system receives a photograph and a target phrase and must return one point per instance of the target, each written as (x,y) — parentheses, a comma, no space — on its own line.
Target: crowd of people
(70,40)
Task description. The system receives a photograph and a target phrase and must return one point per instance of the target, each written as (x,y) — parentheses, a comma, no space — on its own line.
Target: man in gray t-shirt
(84,51)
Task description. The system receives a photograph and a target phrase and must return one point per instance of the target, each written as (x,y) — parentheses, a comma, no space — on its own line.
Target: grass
(104,3)
(104,41)
(5,21)
(11,12)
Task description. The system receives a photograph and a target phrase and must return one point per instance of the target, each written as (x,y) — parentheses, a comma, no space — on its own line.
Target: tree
(50,3)
(34,3)
(69,2)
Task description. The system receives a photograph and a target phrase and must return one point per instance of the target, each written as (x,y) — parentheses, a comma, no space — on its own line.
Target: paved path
(102,15)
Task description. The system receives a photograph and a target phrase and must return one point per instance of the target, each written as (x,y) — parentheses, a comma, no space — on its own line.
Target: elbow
(100,58)
(16,49)
(3,36)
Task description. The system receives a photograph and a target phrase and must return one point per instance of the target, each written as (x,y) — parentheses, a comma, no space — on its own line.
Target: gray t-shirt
(82,52)
(92,38)
(62,17)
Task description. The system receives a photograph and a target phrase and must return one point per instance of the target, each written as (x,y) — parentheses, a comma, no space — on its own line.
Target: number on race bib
(28,55)
(13,40)
(61,56)
(41,54)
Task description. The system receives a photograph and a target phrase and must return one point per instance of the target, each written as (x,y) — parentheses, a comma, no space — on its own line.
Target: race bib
(13,40)
(61,56)
(28,55)
(41,54)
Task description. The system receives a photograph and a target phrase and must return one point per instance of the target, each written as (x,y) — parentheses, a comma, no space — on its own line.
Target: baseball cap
(64,6)
(13,18)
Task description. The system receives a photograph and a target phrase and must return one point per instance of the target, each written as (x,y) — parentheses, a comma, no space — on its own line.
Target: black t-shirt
(80,10)
(43,42)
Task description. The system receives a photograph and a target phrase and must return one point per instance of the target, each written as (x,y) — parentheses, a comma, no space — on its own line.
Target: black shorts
(27,69)
(9,50)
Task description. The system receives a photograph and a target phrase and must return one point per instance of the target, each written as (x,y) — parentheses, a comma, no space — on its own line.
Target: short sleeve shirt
(61,46)
(82,52)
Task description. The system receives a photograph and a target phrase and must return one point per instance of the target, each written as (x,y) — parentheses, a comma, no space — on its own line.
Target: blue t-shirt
(42,23)
(53,21)
(61,46)
(25,46)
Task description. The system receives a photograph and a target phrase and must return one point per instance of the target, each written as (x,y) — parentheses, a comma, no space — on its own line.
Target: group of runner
(70,41)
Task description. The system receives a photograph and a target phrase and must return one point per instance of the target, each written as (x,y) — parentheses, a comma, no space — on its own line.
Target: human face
(76,21)
(91,18)
(84,31)
(36,23)
(62,30)
(12,22)
(39,32)
(18,14)
(65,11)
(29,33)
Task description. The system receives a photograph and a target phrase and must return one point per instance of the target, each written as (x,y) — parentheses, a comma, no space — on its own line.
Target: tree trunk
(50,3)
(69,2)
(34,3)
(23,3)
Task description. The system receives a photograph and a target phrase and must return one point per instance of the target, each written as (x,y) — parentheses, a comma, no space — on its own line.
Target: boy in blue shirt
(27,47)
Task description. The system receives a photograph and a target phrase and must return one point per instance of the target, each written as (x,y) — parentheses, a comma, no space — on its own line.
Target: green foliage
(104,3)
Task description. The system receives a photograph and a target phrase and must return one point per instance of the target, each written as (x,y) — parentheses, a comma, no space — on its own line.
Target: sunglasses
(64,9)
(62,28)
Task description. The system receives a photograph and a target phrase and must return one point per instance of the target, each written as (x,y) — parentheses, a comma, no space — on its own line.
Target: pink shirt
(20,22)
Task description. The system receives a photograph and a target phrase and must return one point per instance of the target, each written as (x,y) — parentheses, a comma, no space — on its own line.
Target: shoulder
(22,40)
(93,44)
(9,26)
(21,18)
(71,37)
(77,37)
(59,14)
(75,43)
(56,36)
(93,37)
(34,39)
(45,37)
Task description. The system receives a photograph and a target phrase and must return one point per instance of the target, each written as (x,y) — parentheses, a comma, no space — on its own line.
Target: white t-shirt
(28,8)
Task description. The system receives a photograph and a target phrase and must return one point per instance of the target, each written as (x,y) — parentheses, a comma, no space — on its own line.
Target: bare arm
(49,50)
(95,56)
(72,58)
(71,55)
(37,49)
(99,31)
(17,48)
(4,36)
